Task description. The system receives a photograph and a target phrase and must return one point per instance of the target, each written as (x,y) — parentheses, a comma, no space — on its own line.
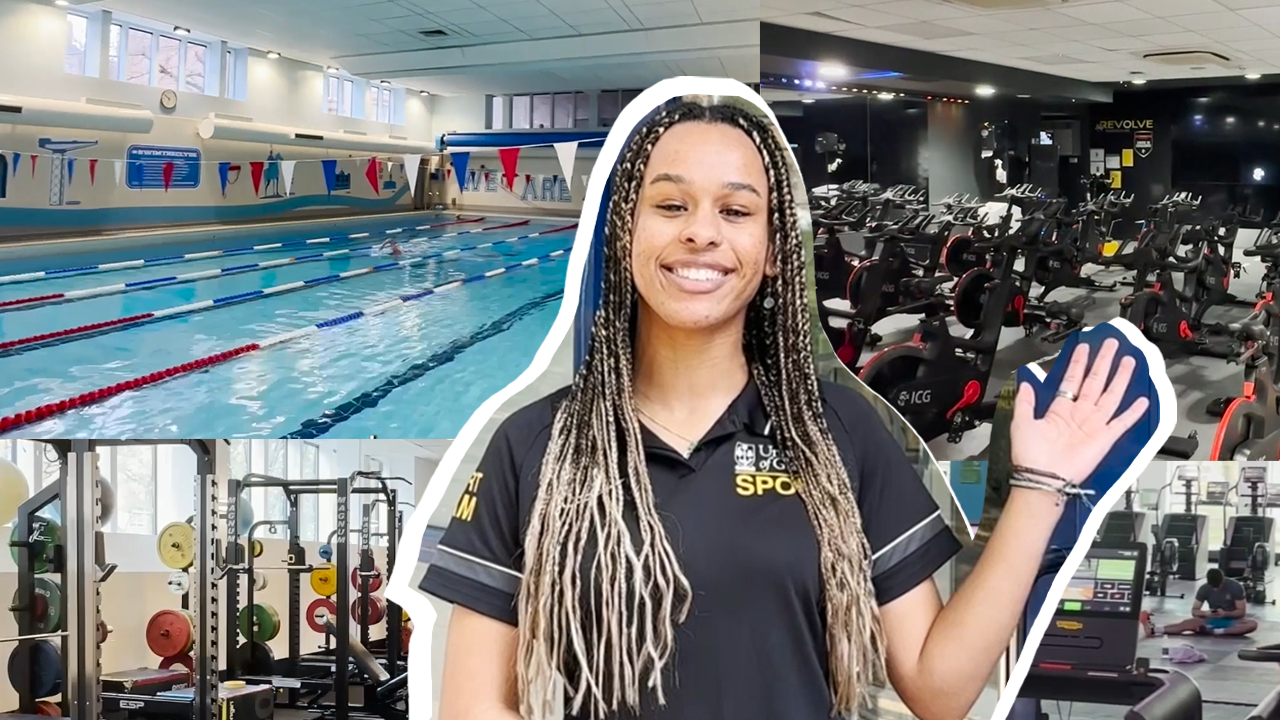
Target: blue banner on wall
(146,163)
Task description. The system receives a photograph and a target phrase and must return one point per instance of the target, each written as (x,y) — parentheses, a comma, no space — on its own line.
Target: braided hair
(603,589)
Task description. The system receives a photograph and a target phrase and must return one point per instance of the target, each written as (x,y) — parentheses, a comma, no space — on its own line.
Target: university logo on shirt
(759,469)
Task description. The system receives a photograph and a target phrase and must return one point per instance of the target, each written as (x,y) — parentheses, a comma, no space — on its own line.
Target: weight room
(311,180)
(949,106)
(276,614)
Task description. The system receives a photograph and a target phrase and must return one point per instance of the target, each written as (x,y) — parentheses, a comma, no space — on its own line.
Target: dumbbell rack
(291,673)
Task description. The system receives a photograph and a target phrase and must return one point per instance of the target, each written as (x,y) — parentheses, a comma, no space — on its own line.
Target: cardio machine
(1187,527)
(1089,651)
(1126,526)
(1246,554)
(1249,425)
(1164,556)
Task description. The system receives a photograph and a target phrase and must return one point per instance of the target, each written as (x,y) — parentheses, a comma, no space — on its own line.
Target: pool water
(418,369)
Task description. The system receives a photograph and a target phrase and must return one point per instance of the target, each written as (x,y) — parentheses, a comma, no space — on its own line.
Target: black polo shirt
(754,644)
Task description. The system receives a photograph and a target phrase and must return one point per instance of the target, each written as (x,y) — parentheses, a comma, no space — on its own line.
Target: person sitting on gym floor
(1225,615)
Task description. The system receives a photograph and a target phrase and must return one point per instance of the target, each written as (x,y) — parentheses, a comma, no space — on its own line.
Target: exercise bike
(1249,428)
(1061,264)
(938,381)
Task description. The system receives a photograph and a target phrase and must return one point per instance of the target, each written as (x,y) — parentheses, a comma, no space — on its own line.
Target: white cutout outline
(1158,374)
(399,590)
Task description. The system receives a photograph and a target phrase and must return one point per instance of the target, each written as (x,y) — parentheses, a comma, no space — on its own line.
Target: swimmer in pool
(395,248)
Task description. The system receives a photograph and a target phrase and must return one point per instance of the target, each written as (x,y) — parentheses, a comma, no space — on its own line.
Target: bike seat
(1262,653)
(925,285)
(1065,311)
(1249,329)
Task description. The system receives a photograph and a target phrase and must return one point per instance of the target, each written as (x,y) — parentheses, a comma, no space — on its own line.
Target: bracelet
(1063,491)
(1024,470)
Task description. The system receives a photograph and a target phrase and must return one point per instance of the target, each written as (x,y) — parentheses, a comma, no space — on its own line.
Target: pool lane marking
(369,399)
(34,342)
(174,259)
(44,412)
(36,301)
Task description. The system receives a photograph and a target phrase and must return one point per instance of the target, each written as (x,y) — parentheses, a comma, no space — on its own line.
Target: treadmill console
(1105,584)
(1095,625)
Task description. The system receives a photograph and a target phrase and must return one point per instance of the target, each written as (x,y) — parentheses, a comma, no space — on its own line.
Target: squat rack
(288,672)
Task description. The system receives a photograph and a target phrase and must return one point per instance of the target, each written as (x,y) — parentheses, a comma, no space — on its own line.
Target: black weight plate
(45,670)
(256,658)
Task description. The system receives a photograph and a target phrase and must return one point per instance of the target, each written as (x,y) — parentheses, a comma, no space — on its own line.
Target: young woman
(697,528)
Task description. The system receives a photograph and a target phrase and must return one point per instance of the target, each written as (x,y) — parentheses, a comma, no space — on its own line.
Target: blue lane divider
(125,264)
(369,399)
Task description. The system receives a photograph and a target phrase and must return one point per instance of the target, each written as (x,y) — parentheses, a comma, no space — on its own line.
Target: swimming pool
(288,333)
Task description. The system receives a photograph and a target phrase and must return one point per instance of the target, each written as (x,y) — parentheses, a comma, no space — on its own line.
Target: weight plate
(179,583)
(48,708)
(260,622)
(257,548)
(45,605)
(404,616)
(326,552)
(406,632)
(177,547)
(182,661)
(46,535)
(324,580)
(45,671)
(104,631)
(256,658)
(377,610)
(259,580)
(318,611)
(170,632)
(375,582)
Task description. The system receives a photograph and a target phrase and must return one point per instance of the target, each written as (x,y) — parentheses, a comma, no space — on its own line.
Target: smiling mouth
(698,274)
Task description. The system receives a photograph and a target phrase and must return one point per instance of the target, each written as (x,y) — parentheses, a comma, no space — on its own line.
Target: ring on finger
(1070,396)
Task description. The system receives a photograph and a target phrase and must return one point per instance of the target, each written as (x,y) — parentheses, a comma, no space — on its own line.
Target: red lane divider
(24,301)
(10,344)
(44,412)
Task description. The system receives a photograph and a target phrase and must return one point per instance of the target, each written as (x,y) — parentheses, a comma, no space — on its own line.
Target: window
(77,40)
(168,55)
(37,462)
(309,505)
(113,52)
(612,102)
(138,69)
(582,116)
(132,471)
(229,72)
(338,92)
(520,112)
(379,109)
(495,112)
(542,112)
(564,110)
(193,68)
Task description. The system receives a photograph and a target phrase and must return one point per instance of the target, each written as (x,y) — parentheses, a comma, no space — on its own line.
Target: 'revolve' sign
(1124,125)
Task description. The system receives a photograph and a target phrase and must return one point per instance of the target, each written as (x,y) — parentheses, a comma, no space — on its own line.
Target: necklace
(691,444)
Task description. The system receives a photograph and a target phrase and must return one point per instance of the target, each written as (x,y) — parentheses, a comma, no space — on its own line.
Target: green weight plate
(45,605)
(260,623)
(46,535)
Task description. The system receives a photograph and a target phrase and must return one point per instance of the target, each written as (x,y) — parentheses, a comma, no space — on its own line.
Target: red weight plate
(48,709)
(180,661)
(317,610)
(375,582)
(377,610)
(169,633)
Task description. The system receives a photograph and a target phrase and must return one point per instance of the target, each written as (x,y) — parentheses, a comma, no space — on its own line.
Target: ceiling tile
(1027,37)
(1171,40)
(1084,33)
(1038,19)
(815,23)
(867,17)
(1152,26)
(670,20)
(925,30)
(1253,32)
(1107,13)
(1210,21)
(1170,8)
(983,25)
(1246,4)
(922,10)
(876,35)
(1121,43)
(1263,16)
(1251,46)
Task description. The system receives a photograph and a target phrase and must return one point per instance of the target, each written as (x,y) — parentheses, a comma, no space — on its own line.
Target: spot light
(832,71)
(272,55)
(985,90)
(180,30)
(61,3)
(1253,76)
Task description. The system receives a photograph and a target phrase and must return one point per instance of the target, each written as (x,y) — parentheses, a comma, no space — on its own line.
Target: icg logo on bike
(914,397)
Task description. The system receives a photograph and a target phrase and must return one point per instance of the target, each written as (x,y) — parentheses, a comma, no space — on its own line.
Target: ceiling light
(832,71)
(821,85)
(806,100)
(385,82)
(1230,119)
(985,90)
(331,69)
(1199,117)
(180,30)
(1262,123)
(808,83)
(885,96)
(423,93)
(1024,96)
(61,3)
(1253,76)
(1139,81)
(272,55)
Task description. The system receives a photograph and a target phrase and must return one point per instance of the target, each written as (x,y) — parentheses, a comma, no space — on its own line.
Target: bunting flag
(17,160)
(119,166)
(93,170)
(371,173)
(33,164)
(224,169)
(460,168)
(286,171)
(448,173)
(528,178)
(410,168)
(255,171)
(585,178)
(330,174)
(567,152)
(166,172)
(509,158)
(71,169)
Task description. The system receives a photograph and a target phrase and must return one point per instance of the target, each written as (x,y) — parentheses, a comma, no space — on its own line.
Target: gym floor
(1222,677)
(1196,380)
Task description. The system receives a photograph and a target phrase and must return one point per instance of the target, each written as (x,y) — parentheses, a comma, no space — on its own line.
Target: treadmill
(1089,651)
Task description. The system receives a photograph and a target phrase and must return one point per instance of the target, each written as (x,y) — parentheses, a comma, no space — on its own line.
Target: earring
(768,302)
